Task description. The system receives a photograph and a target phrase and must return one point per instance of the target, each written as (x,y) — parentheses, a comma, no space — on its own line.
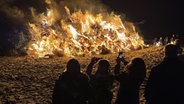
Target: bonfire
(81,34)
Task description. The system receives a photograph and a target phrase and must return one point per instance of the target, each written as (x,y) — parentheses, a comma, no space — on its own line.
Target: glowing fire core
(81,33)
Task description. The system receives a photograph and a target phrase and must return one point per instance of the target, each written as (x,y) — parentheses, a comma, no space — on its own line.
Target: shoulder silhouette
(72,87)
(165,82)
(130,81)
(101,82)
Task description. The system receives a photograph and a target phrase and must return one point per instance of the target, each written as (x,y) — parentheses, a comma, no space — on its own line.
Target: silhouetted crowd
(164,85)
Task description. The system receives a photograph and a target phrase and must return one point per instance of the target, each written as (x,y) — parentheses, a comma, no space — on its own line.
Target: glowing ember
(82,33)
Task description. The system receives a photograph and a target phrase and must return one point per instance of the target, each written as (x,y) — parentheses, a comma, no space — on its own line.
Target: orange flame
(82,34)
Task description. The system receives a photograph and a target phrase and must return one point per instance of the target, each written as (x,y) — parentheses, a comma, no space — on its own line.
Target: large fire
(82,33)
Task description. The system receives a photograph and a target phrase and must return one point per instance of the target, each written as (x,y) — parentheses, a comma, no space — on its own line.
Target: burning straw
(80,33)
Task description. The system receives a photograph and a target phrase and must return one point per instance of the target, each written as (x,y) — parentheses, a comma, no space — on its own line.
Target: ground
(27,80)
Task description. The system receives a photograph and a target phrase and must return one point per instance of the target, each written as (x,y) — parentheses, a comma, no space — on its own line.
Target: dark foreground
(26,80)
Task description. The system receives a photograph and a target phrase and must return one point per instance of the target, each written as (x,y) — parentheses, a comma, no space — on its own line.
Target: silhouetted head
(73,66)
(136,67)
(137,63)
(103,66)
(171,50)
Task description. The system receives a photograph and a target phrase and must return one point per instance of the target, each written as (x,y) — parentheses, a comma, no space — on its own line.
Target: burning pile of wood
(82,33)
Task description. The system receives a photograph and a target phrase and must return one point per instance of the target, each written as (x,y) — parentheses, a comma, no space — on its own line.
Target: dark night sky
(159,17)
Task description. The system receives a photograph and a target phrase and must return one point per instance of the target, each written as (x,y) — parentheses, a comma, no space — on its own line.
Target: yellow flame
(82,34)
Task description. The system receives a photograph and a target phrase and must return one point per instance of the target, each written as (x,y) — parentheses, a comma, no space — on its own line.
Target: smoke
(94,6)
(11,12)
(16,14)
(18,11)
(21,12)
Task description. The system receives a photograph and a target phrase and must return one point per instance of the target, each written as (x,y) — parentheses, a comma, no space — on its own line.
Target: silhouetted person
(166,39)
(172,40)
(160,42)
(101,82)
(130,81)
(155,41)
(72,87)
(178,44)
(181,57)
(165,82)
